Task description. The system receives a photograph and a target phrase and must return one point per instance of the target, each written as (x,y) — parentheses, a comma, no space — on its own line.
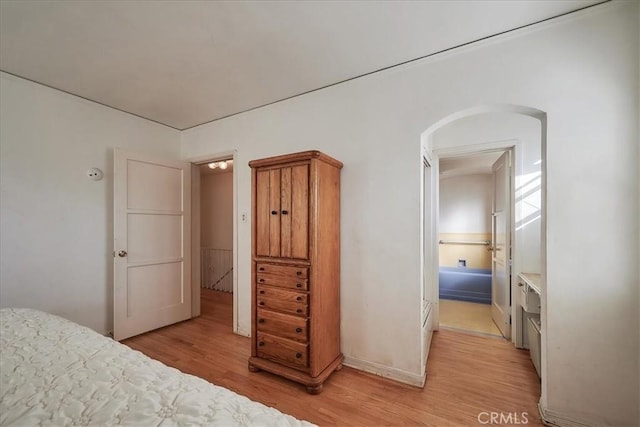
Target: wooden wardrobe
(295,271)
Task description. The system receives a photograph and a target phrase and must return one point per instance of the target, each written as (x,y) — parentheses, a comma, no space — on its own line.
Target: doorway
(485,129)
(471,287)
(215,236)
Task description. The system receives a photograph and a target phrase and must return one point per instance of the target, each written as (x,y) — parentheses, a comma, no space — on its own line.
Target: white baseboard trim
(385,371)
(556,419)
(242,332)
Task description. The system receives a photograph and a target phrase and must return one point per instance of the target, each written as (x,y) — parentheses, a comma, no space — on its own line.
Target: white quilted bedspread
(54,372)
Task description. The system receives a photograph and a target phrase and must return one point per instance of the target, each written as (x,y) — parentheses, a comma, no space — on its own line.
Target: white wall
(217,210)
(525,133)
(465,204)
(56,226)
(577,69)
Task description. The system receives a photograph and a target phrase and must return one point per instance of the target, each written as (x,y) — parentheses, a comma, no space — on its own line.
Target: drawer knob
(261,292)
(298,355)
(285,212)
(299,310)
(261,269)
(299,299)
(299,273)
(261,303)
(260,320)
(298,330)
(274,212)
(261,280)
(298,285)
(261,343)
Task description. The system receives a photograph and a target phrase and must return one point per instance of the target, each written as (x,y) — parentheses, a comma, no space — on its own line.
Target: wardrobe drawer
(282,270)
(283,294)
(283,325)
(284,301)
(282,350)
(283,282)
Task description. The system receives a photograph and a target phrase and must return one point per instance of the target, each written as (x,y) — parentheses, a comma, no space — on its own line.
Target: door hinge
(113,253)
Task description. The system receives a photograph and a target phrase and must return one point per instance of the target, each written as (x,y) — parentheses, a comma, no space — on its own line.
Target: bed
(55,372)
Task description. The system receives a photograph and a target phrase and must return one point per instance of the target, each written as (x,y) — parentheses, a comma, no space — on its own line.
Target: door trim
(515,146)
(195,285)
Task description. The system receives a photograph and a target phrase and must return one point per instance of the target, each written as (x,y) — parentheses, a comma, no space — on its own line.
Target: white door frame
(196,256)
(515,146)
(428,270)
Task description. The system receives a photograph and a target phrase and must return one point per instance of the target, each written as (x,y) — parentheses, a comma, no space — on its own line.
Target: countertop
(533,280)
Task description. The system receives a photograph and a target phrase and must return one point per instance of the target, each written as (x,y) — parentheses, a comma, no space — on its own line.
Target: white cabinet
(529,285)
(529,293)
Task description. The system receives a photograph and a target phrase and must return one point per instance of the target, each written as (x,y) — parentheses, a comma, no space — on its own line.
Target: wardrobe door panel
(262,213)
(285,212)
(274,212)
(300,212)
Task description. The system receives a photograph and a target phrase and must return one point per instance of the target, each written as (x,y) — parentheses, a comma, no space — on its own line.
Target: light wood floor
(467,316)
(466,375)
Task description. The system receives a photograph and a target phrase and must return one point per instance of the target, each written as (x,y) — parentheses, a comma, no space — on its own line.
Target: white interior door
(152,219)
(501,249)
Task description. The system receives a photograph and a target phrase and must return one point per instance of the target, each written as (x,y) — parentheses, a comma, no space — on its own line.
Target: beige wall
(216,193)
(465,215)
(476,256)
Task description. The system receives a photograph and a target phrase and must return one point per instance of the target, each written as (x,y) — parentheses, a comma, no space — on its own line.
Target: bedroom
(57,225)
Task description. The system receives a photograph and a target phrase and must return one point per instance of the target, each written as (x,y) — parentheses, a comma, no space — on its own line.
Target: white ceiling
(187,63)
(473,164)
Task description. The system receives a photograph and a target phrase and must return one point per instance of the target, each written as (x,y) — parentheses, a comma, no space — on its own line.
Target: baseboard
(243,332)
(385,371)
(556,419)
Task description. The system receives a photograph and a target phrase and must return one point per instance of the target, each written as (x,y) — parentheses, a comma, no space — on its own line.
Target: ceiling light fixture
(223,164)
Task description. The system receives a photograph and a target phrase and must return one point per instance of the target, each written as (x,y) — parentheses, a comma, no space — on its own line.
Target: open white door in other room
(152,265)
(501,249)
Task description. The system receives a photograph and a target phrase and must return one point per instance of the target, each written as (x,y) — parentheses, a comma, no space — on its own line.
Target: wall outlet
(95,174)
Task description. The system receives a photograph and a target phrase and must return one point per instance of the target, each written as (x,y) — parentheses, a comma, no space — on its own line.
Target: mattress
(55,372)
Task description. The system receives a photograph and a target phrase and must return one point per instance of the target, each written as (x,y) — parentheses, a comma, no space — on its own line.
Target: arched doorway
(478,131)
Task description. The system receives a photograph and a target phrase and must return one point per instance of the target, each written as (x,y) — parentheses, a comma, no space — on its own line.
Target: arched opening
(447,147)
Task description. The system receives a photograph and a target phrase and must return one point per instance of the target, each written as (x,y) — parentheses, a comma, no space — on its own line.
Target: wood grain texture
(285,211)
(284,325)
(294,157)
(307,188)
(282,281)
(300,212)
(466,375)
(291,353)
(325,261)
(282,301)
(274,212)
(261,212)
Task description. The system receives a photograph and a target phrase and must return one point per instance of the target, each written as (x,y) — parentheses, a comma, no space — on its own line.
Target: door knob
(122,254)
